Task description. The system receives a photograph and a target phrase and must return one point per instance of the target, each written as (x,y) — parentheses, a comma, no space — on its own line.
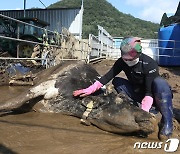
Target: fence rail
(150,47)
(67,47)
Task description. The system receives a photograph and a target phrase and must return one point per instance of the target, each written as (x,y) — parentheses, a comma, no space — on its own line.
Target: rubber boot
(163,99)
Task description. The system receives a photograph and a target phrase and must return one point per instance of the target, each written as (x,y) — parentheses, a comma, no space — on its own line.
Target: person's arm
(151,72)
(102,81)
(116,69)
(91,89)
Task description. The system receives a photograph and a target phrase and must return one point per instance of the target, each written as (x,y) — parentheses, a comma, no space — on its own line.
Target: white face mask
(131,63)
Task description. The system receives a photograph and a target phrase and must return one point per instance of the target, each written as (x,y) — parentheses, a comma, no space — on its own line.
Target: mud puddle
(34,132)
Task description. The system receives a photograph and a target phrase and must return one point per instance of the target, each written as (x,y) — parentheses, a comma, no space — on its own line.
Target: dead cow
(111,112)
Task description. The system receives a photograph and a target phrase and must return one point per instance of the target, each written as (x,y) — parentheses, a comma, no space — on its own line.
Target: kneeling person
(143,83)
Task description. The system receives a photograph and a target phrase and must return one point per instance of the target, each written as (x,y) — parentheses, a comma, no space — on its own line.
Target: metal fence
(65,47)
(159,50)
(150,48)
(165,52)
(102,46)
(57,17)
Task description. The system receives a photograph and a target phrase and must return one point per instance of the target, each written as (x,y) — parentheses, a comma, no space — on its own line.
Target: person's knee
(118,81)
(159,81)
(119,84)
(160,85)
(115,81)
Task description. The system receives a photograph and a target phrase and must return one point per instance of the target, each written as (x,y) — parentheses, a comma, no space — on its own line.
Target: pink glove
(91,89)
(146,103)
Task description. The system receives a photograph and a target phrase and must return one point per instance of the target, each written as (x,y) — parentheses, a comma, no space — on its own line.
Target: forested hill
(101,12)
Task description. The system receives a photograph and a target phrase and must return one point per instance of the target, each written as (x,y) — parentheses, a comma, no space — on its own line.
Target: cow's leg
(42,89)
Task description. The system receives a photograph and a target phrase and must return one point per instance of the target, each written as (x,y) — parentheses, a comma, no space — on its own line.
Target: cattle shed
(70,18)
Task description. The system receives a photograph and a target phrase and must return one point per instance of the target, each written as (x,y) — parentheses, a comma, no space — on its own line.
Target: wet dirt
(47,133)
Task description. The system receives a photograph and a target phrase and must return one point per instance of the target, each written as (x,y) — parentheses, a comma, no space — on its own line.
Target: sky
(149,10)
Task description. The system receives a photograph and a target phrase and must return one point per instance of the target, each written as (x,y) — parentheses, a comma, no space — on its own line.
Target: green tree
(101,12)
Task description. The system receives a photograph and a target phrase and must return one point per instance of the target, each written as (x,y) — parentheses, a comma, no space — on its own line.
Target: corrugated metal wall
(57,18)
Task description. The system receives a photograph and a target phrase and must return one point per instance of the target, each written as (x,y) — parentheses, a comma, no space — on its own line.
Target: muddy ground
(34,132)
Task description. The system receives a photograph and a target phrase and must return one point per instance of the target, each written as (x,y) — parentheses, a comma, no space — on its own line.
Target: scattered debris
(165,76)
